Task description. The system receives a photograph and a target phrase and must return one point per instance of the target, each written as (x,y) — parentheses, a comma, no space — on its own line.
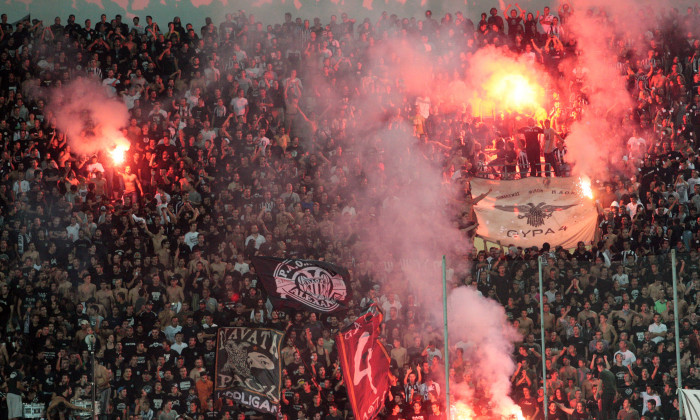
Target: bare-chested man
(131,183)
(105,297)
(175,293)
(86,289)
(469,203)
(100,184)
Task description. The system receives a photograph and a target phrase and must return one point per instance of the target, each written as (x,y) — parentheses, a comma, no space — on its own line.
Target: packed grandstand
(145,165)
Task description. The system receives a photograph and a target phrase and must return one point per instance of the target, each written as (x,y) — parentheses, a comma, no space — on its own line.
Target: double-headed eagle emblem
(535,214)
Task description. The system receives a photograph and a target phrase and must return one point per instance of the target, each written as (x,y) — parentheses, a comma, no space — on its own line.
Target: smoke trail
(482,324)
(413,221)
(608,99)
(90,118)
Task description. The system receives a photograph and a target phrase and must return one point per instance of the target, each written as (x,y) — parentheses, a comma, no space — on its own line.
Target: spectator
(239,149)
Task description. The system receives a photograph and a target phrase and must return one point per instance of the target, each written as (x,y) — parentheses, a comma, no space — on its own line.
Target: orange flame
(509,91)
(585,186)
(462,411)
(118,152)
(517,91)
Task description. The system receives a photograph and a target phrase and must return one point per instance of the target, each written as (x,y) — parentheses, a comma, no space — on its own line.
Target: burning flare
(508,87)
(118,152)
(462,411)
(584,184)
(517,93)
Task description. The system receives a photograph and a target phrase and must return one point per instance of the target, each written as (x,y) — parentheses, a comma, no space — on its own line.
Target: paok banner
(531,211)
(304,284)
(690,399)
(248,367)
(365,364)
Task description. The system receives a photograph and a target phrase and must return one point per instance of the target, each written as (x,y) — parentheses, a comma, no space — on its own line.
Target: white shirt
(259,240)
(179,347)
(97,166)
(241,267)
(191,239)
(130,100)
(636,146)
(20,186)
(170,332)
(73,231)
(239,105)
(163,198)
(627,357)
(110,83)
(691,184)
(646,397)
(661,328)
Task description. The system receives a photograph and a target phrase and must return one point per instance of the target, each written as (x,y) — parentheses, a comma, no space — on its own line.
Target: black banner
(303,284)
(248,367)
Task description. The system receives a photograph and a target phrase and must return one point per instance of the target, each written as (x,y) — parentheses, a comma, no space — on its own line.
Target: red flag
(365,364)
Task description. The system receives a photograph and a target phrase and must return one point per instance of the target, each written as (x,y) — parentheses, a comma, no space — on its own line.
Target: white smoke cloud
(90,118)
(414,224)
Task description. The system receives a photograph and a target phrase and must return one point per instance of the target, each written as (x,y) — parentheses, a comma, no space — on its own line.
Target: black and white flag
(248,367)
(304,284)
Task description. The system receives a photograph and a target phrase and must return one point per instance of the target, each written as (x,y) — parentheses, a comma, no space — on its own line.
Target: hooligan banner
(248,367)
(691,403)
(531,211)
(304,284)
(365,364)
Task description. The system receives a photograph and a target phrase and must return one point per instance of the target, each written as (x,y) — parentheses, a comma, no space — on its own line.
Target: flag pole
(446,349)
(676,332)
(544,366)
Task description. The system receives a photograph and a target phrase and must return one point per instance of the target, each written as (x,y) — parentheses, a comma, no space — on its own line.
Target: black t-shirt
(128,346)
(130,385)
(559,415)
(528,405)
(158,399)
(514,26)
(619,372)
(15,378)
(321,409)
(532,142)
(656,415)
(580,416)
(185,384)
(5,303)
(121,404)
(211,415)
(579,344)
(496,20)
(626,390)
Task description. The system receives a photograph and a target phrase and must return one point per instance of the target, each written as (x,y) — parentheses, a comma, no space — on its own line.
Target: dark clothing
(607,409)
(532,148)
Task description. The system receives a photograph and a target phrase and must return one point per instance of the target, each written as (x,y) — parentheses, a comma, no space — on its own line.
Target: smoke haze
(90,118)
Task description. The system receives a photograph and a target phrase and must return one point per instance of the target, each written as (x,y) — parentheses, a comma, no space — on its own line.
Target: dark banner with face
(248,367)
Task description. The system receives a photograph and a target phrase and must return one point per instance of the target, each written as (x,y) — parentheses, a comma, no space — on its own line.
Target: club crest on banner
(531,211)
(310,284)
(313,285)
(534,215)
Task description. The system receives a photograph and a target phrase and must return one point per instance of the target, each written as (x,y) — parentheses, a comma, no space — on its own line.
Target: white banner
(531,211)
(690,399)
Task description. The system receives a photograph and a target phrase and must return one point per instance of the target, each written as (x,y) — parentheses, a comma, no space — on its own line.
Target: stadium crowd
(246,139)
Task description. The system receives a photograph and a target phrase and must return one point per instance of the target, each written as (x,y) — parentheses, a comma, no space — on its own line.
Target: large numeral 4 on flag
(365,364)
